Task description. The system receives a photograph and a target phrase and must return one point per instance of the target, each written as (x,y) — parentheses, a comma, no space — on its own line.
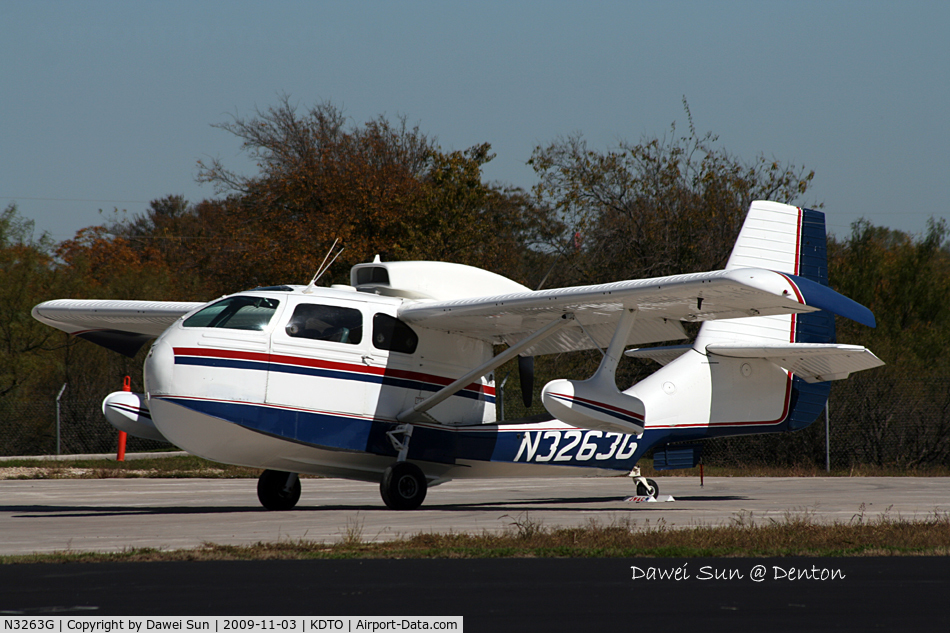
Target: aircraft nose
(159,369)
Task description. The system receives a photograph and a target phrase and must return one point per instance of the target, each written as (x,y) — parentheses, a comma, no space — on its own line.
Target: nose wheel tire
(652,489)
(403,486)
(278,490)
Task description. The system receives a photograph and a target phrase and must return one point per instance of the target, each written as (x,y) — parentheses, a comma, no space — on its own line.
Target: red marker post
(123,436)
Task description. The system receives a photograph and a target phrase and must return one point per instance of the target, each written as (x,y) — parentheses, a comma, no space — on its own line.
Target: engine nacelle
(594,404)
(129,412)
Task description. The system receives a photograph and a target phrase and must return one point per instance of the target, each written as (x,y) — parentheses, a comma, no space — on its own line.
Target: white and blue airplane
(391,379)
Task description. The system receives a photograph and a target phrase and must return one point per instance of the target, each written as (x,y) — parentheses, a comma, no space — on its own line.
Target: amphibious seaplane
(391,379)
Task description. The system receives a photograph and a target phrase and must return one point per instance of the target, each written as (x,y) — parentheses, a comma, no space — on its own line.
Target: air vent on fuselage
(372,275)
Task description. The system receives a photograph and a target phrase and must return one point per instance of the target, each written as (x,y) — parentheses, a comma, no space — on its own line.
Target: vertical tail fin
(788,240)
(704,395)
(782,238)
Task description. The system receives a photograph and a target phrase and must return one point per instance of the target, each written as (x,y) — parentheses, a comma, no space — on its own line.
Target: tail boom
(762,373)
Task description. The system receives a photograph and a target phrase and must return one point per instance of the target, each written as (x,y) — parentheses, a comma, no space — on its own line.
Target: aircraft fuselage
(313,383)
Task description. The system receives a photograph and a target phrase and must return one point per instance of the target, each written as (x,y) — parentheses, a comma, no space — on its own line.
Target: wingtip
(825,298)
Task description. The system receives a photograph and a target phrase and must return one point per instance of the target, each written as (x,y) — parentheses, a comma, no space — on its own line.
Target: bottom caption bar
(222,624)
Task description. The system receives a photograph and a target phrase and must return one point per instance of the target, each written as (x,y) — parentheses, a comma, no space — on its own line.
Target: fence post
(58,396)
(827,440)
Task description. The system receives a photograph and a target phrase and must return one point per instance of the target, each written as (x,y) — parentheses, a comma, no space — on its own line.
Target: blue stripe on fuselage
(489,443)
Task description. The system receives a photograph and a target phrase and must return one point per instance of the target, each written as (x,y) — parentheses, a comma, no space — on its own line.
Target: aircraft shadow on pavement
(713,498)
(65,511)
(559,504)
(35,512)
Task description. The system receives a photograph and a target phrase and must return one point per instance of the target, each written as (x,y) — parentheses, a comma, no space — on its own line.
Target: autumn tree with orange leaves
(382,188)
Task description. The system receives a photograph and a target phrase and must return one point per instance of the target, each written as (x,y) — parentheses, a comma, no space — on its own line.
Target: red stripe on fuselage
(316,363)
(600,404)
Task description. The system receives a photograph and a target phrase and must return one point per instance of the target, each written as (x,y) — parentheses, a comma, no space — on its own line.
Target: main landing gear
(403,486)
(278,490)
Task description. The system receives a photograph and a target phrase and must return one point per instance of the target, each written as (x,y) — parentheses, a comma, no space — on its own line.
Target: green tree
(898,414)
(657,207)
(905,281)
(26,278)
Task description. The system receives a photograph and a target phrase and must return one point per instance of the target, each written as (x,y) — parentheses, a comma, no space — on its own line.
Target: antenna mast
(324,266)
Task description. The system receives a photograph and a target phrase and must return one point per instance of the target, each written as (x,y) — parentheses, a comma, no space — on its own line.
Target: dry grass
(158,467)
(794,535)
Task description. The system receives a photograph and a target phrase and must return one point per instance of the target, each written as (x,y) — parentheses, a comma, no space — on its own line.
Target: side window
(392,334)
(235,313)
(326,323)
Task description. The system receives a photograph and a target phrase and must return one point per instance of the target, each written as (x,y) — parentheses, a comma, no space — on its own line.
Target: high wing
(662,303)
(121,326)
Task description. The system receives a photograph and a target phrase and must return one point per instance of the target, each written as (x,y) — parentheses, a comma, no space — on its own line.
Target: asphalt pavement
(115,514)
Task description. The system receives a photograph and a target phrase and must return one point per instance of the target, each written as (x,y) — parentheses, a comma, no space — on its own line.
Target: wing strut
(415,413)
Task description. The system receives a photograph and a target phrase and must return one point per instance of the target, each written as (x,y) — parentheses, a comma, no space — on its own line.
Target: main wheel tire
(403,486)
(274,492)
(652,489)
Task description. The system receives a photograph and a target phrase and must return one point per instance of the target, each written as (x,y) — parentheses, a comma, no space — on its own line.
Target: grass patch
(800,470)
(190,466)
(794,535)
(185,466)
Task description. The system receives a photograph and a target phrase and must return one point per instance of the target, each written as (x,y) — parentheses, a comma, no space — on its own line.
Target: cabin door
(317,362)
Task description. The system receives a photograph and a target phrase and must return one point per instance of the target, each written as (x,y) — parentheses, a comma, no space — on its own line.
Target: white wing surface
(661,304)
(142,317)
(122,326)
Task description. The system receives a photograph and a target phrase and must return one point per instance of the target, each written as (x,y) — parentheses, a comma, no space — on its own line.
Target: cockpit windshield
(235,313)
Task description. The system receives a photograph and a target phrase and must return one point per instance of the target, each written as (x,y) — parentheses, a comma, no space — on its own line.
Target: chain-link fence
(30,428)
(875,420)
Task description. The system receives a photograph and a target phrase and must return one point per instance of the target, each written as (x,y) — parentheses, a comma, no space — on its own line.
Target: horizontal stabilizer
(813,362)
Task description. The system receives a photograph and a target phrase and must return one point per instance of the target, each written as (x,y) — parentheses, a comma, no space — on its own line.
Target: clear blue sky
(110,104)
